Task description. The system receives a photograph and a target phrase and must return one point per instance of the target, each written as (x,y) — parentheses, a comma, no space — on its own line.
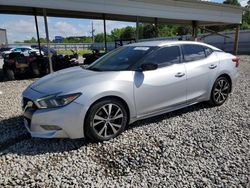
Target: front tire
(106,119)
(10,74)
(35,70)
(220,91)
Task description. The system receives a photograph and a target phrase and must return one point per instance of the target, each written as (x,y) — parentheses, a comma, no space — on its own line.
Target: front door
(161,89)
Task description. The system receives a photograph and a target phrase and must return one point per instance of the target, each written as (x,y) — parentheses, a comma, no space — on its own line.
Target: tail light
(236,60)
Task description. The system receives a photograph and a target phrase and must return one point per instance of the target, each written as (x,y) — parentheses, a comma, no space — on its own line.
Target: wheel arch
(108,97)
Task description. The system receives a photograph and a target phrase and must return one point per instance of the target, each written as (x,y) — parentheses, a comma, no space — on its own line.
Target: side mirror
(148,66)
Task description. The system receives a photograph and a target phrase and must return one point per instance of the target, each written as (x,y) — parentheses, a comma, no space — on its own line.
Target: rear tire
(220,91)
(105,120)
(10,74)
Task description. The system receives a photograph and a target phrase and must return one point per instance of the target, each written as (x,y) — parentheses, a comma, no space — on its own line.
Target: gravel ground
(194,147)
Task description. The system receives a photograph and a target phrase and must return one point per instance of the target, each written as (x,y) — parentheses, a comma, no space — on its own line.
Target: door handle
(179,74)
(212,66)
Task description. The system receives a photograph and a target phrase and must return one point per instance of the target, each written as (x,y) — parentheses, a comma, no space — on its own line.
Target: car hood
(69,80)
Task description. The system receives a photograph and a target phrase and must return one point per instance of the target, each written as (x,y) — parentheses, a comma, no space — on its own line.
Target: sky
(21,27)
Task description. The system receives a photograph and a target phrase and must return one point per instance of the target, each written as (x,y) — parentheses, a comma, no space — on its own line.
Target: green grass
(68,52)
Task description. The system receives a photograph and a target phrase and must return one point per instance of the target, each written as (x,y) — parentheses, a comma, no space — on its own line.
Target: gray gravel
(194,147)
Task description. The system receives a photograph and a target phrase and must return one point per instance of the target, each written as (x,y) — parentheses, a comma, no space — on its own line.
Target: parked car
(93,56)
(24,49)
(65,61)
(44,49)
(130,83)
(3,50)
(96,54)
(16,63)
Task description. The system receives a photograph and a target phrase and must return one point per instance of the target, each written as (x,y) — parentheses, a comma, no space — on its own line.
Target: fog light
(51,127)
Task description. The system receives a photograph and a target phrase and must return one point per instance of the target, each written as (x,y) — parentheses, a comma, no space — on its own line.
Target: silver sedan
(132,82)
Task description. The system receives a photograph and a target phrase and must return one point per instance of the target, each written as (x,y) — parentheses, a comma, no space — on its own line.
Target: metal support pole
(137,29)
(105,33)
(37,32)
(194,29)
(6,38)
(93,32)
(236,40)
(47,39)
(156,28)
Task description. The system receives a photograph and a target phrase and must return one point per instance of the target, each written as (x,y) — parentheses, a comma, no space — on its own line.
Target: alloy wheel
(221,91)
(108,120)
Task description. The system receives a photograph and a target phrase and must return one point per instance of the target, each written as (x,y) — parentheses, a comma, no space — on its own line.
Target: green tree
(183,30)
(42,40)
(149,31)
(116,33)
(100,38)
(123,33)
(32,40)
(128,33)
(167,30)
(232,2)
(246,18)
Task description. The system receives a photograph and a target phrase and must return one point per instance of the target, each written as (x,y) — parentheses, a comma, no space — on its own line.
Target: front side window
(164,56)
(120,59)
(208,51)
(193,52)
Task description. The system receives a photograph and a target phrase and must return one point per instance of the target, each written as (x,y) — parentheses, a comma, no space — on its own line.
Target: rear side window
(165,56)
(193,52)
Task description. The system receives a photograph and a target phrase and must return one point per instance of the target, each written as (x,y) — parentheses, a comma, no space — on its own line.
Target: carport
(188,12)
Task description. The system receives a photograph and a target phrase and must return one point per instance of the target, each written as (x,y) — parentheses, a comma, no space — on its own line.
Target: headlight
(54,101)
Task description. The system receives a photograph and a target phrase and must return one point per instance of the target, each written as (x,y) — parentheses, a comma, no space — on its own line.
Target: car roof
(161,43)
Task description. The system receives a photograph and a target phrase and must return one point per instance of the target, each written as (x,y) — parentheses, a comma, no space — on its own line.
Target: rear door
(201,66)
(164,88)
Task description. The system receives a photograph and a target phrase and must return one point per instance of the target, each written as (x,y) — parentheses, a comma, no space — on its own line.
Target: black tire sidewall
(35,70)
(10,74)
(89,131)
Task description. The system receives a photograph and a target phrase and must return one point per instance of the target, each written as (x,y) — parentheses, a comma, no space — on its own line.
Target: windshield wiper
(90,68)
(84,66)
(93,69)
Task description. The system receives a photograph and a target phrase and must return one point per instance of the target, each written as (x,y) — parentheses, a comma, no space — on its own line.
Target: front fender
(121,90)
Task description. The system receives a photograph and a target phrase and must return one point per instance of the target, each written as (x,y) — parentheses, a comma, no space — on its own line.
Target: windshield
(120,59)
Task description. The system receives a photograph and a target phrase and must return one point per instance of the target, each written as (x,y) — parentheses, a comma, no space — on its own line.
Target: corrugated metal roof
(167,11)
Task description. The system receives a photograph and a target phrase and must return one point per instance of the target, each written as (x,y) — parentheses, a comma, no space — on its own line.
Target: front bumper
(64,122)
